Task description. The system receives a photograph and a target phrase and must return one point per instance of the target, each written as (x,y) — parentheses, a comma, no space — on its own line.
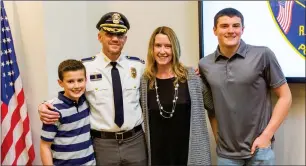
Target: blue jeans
(262,156)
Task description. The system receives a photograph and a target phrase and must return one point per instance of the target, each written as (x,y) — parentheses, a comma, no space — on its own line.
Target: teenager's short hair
(70,65)
(230,12)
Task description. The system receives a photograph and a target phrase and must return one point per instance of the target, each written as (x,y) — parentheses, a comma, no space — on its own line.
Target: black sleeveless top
(169,136)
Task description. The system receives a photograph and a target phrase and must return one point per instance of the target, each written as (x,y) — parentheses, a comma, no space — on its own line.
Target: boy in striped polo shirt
(68,141)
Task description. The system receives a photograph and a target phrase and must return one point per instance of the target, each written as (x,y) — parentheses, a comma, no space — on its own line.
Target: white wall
(290,138)
(48,32)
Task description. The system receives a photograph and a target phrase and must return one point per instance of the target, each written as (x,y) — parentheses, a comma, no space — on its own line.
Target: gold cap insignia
(116,18)
(105,59)
(133,72)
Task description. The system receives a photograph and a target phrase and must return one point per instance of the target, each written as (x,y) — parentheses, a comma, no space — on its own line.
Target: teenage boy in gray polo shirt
(240,77)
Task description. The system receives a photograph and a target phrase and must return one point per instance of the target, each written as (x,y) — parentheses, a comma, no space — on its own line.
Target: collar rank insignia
(133,72)
(95,77)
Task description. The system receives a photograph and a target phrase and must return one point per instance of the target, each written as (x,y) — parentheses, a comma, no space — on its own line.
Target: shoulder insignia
(135,58)
(88,59)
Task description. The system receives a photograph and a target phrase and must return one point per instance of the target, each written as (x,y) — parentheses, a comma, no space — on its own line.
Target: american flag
(16,141)
(285,14)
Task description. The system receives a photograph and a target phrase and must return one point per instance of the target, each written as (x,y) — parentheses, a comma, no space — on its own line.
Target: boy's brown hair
(70,65)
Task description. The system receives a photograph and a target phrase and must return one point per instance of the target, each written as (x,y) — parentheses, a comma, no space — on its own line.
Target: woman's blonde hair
(177,68)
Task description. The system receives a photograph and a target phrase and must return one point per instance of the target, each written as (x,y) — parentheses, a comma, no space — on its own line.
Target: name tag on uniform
(95,77)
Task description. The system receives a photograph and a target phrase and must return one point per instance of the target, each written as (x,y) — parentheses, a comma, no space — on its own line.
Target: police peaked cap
(113,22)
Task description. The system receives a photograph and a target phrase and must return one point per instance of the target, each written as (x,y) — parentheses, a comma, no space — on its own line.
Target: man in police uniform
(111,77)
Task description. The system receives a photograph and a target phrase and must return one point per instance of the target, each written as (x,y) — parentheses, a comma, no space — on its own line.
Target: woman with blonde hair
(173,98)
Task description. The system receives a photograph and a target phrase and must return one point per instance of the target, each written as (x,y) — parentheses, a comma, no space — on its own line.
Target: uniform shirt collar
(70,102)
(241,51)
(106,60)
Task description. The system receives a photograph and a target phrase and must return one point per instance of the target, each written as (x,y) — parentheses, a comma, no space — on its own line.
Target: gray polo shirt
(240,88)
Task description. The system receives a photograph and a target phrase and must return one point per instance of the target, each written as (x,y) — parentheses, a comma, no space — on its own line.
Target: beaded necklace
(162,112)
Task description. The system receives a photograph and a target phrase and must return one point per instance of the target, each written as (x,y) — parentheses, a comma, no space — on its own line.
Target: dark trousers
(130,151)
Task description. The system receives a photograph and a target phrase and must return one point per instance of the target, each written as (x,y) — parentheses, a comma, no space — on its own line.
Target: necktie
(117,90)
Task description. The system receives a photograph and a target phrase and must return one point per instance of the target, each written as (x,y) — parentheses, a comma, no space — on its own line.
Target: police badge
(133,72)
(116,18)
(289,16)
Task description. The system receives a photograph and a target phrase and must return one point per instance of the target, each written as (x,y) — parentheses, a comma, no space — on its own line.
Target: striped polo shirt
(70,135)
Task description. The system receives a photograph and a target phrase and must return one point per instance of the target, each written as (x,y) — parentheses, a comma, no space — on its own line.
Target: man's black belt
(115,135)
